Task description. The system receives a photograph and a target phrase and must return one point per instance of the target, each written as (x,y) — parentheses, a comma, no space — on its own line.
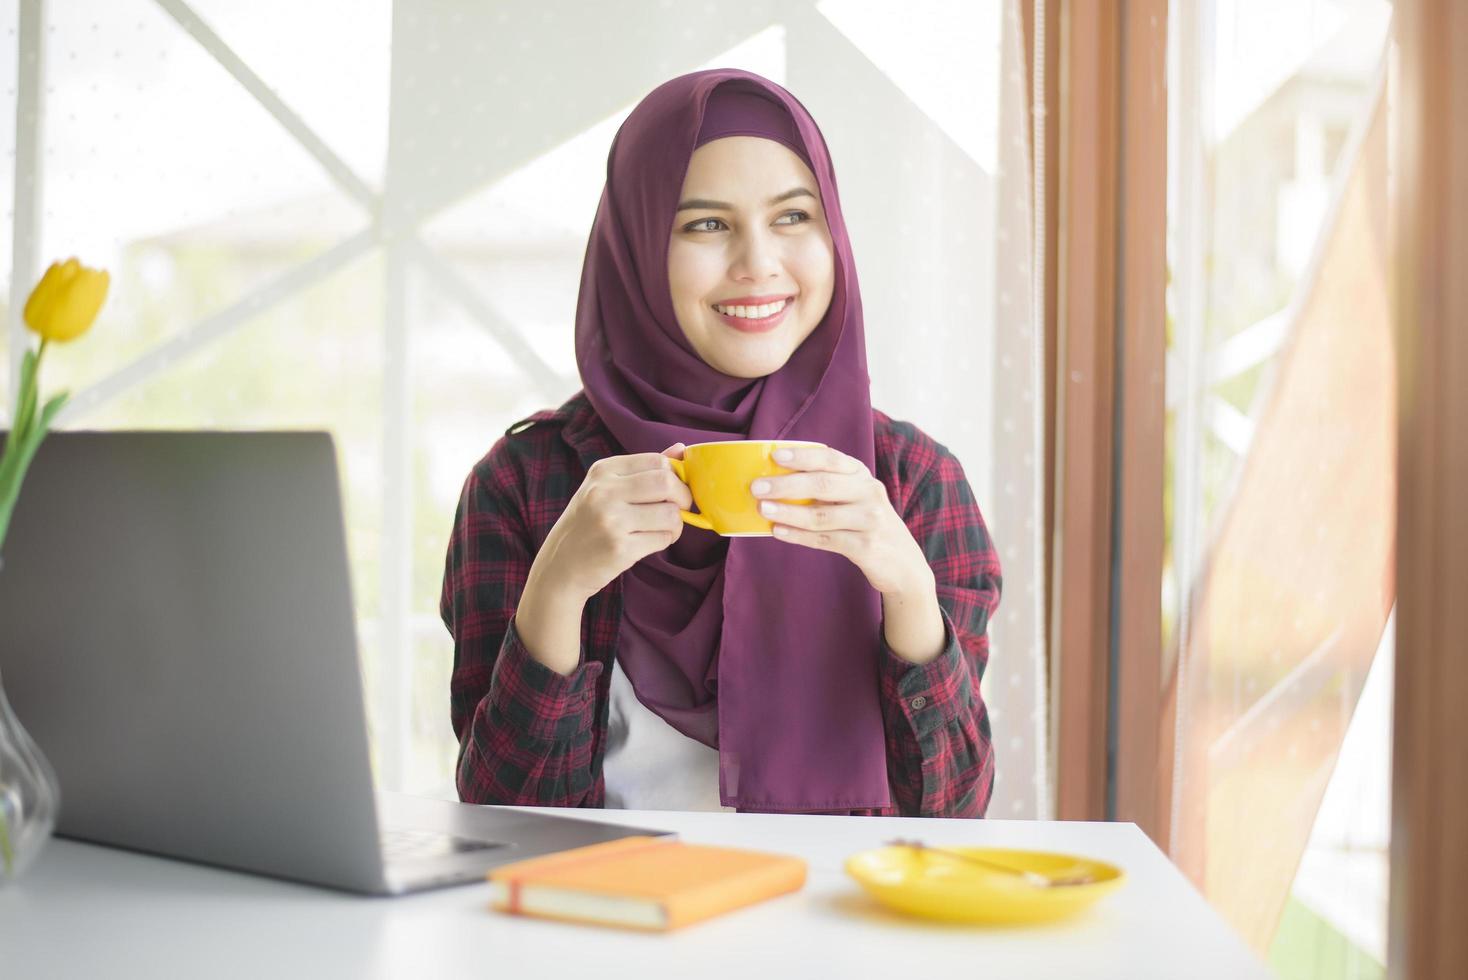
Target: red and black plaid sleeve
(940,753)
(525,731)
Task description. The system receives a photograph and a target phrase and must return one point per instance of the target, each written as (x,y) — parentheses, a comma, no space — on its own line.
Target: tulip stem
(28,428)
(31,393)
(5,849)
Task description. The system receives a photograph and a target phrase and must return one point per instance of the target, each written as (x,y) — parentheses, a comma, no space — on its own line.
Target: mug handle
(697,520)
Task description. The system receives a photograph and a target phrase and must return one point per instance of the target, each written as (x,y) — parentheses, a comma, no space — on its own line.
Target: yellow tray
(938,887)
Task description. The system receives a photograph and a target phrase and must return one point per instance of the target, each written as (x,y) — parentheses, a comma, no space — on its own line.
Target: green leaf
(9,464)
(25,411)
(7,506)
(47,415)
(5,847)
(13,471)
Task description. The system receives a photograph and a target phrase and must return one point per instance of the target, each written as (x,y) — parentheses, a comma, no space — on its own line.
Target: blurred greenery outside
(1306,947)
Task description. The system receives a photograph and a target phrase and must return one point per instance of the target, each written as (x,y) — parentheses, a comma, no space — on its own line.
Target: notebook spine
(515,877)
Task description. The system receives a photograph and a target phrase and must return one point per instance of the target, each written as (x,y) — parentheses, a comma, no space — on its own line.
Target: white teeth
(752,312)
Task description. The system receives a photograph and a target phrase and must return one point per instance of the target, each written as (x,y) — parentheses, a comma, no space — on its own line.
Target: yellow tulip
(66,300)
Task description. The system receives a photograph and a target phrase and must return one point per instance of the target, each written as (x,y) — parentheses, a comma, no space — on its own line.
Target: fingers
(632,463)
(840,542)
(821,473)
(817,458)
(822,485)
(658,517)
(652,486)
(861,516)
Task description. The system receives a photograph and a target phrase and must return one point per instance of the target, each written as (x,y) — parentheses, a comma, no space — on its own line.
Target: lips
(754,300)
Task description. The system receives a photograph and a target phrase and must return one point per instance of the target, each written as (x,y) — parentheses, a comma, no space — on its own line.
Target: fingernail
(768,509)
(784,455)
(760,486)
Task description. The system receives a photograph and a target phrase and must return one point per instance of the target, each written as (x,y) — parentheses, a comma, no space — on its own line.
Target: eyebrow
(706,205)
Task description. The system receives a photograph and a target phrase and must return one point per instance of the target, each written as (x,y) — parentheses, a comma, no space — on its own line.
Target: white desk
(85,911)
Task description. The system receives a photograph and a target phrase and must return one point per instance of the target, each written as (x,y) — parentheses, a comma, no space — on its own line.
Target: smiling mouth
(759,312)
(755,319)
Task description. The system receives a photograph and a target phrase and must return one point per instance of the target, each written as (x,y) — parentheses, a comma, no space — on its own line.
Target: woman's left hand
(850,514)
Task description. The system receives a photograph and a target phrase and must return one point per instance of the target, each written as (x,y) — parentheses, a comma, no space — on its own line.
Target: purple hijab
(763,649)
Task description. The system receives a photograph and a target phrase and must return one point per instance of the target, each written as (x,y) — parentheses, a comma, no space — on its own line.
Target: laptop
(177,634)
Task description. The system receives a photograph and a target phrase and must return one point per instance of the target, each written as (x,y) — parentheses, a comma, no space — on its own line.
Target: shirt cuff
(930,695)
(544,704)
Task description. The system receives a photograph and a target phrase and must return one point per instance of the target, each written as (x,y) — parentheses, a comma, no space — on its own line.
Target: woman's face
(750,238)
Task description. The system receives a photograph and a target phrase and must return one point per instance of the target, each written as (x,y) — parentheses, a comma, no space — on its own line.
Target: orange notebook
(652,883)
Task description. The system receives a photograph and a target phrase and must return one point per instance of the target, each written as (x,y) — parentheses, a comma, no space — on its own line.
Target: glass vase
(29,796)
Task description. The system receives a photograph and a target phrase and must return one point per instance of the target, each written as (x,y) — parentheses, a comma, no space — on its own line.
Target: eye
(695,226)
(794,214)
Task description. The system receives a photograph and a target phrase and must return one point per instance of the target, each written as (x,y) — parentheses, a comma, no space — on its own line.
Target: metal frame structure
(403,252)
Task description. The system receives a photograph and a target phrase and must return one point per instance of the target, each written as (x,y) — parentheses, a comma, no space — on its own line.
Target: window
(373,223)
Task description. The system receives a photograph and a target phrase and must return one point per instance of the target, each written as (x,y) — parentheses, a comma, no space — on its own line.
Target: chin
(744,373)
(750,368)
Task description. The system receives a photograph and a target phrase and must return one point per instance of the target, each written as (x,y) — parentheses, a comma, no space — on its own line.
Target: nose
(756,258)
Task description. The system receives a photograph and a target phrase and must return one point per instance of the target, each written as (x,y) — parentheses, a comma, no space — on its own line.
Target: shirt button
(918,703)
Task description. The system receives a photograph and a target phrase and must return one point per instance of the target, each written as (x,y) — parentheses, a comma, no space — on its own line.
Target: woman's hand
(851,515)
(626,509)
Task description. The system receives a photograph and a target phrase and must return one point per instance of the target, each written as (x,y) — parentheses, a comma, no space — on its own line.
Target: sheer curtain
(1282,386)
(374,222)
(926,114)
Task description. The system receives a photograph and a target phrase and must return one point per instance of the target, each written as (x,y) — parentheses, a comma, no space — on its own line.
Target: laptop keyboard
(398,844)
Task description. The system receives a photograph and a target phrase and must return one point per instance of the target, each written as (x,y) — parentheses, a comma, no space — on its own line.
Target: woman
(605,654)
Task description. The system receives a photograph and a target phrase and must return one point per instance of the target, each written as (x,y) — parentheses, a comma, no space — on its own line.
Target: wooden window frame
(1105,316)
(1429,842)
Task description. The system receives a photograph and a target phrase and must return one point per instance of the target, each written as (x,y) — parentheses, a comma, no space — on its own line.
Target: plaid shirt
(530,736)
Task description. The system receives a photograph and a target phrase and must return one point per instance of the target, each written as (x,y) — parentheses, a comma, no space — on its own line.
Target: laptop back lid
(177,634)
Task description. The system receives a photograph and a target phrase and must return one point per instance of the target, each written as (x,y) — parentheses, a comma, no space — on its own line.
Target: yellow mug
(719,475)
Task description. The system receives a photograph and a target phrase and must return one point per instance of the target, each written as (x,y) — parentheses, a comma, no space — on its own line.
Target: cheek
(692,274)
(814,264)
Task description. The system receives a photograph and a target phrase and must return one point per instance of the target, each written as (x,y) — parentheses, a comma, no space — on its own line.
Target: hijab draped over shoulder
(763,649)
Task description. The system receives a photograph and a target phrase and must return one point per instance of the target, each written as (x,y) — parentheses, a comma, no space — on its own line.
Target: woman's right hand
(626,509)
